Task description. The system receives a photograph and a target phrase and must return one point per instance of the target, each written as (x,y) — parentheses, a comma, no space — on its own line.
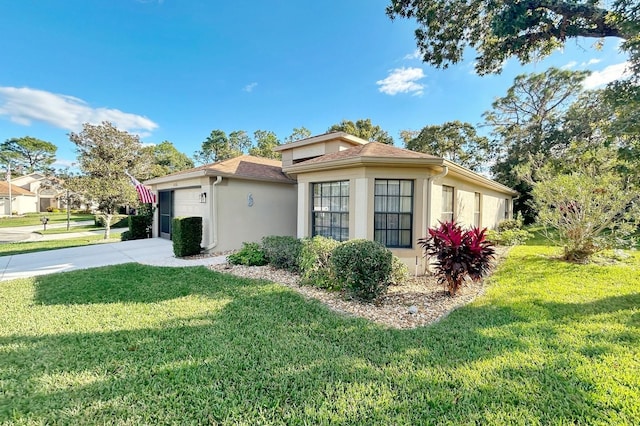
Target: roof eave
(463,171)
(362,161)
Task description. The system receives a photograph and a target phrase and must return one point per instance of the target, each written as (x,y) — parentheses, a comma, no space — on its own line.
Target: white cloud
(402,80)
(607,75)
(25,105)
(249,87)
(415,55)
(570,65)
(592,61)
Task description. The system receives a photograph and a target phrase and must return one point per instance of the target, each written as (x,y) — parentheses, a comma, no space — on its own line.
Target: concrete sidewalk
(152,251)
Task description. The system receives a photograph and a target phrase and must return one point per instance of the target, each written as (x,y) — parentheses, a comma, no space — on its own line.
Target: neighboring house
(36,183)
(22,200)
(347,188)
(241,199)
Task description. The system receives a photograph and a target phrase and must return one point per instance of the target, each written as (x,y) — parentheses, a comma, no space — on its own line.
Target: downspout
(426,191)
(213,214)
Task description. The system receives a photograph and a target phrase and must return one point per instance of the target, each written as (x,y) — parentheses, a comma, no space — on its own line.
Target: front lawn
(549,343)
(10,249)
(31,219)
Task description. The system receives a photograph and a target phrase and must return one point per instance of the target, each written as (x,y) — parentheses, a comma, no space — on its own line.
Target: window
(447,204)
(507,208)
(476,210)
(393,212)
(330,214)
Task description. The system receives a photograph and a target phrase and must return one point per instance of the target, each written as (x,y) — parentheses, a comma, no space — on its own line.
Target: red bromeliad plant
(460,254)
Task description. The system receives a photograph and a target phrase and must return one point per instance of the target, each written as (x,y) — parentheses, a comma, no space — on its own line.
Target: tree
(363,129)
(526,123)
(218,146)
(167,159)
(104,154)
(29,154)
(528,30)
(265,142)
(586,211)
(298,134)
(456,141)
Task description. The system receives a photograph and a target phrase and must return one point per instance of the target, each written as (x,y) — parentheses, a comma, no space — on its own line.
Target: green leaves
(363,129)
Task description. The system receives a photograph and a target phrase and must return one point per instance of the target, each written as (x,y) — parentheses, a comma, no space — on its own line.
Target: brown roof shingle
(15,190)
(372,149)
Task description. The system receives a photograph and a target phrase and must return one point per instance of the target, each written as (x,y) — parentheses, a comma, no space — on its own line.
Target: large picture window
(330,210)
(393,212)
(447,204)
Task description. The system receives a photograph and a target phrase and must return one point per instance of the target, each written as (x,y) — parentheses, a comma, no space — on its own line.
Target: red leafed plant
(459,254)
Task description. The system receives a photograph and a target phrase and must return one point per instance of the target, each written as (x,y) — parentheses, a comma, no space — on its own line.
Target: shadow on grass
(270,356)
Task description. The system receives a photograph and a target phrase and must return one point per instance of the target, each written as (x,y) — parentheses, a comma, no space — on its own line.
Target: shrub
(399,272)
(138,227)
(282,252)
(315,262)
(363,267)
(510,224)
(459,254)
(126,236)
(186,235)
(250,255)
(509,237)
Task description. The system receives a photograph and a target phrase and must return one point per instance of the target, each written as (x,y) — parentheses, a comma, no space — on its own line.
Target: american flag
(144,194)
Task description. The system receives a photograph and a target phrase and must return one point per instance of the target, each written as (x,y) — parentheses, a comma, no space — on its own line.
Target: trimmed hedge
(186,235)
(315,264)
(250,255)
(363,267)
(139,227)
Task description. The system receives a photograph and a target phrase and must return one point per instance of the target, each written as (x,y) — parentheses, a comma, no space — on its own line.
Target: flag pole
(9,182)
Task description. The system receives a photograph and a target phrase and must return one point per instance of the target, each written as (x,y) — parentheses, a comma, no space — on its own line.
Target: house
(240,199)
(22,200)
(340,186)
(38,184)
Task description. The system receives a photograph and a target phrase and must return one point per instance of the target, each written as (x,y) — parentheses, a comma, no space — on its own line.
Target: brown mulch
(417,302)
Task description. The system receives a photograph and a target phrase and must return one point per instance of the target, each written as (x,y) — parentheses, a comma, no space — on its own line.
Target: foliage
(528,30)
(459,254)
(282,252)
(399,272)
(219,147)
(527,123)
(186,235)
(297,134)
(167,159)
(104,154)
(363,267)
(250,255)
(265,141)
(456,141)
(117,220)
(511,224)
(508,237)
(587,211)
(72,342)
(315,262)
(363,129)
(139,227)
(28,154)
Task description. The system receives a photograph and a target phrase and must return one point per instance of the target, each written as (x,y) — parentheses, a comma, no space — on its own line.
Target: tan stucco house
(22,200)
(335,185)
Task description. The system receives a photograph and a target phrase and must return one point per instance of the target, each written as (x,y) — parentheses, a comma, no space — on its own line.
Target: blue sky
(177,69)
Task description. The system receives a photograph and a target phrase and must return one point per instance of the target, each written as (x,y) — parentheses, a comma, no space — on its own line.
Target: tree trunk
(107,225)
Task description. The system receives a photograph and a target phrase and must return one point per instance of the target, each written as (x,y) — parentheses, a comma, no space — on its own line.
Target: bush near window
(510,224)
(315,262)
(460,254)
(186,235)
(509,237)
(250,255)
(399,272)
(363,267)
(282,252)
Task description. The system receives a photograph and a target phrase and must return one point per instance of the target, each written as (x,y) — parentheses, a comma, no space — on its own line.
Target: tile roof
(245,166)
(15,190)
(372,149)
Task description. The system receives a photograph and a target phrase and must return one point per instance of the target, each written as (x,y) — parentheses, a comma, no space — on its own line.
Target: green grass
(549,343)
(34,219)
(10,249)
(51,231)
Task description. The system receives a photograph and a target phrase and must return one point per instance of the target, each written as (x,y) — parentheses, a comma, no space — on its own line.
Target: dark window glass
(393,215)
(330,210)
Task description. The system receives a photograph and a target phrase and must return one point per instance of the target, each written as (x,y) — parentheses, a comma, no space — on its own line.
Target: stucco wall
(249,210)
(21,204)
(425,214)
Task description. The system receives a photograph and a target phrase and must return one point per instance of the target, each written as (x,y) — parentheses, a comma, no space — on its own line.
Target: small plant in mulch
(459,254)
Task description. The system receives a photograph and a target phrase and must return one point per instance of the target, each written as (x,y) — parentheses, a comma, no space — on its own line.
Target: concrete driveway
(152,251)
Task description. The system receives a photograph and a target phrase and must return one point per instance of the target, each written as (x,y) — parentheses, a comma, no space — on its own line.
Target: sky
(177,69)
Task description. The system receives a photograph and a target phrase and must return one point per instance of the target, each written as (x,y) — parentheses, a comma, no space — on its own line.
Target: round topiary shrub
(363,267)
(315,265)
